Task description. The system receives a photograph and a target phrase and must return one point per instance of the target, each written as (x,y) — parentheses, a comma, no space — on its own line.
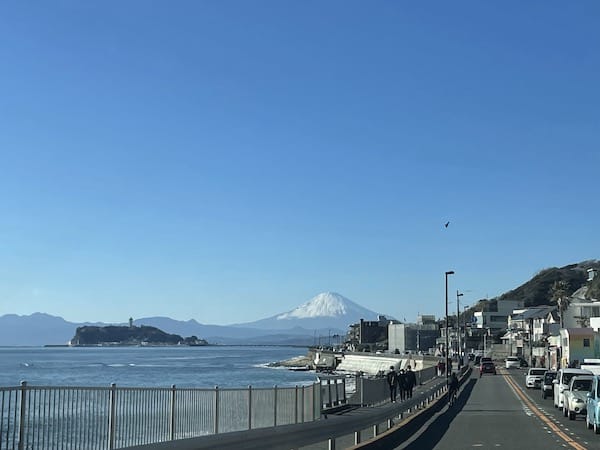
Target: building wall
(372,331)
(577,312)
(497,320)
(396,337)
(574,346)
(410,338)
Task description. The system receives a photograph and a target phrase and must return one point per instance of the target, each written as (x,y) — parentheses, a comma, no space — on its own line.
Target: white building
(496,320)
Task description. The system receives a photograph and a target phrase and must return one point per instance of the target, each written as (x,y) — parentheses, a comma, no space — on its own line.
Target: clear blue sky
(228,160)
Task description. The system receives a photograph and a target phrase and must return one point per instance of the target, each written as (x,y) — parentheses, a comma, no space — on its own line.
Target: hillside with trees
(540,290)
(129,335)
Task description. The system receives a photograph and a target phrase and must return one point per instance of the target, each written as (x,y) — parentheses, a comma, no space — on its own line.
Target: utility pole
(450,272)
(458,295)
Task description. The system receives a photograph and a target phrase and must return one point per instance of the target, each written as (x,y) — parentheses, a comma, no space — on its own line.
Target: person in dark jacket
(402,384)
(411,381)
(453,389)
(392,379)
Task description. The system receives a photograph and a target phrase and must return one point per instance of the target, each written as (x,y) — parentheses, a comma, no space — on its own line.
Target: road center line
(542,416)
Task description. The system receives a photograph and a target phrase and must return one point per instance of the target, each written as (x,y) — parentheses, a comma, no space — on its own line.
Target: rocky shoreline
(295,362)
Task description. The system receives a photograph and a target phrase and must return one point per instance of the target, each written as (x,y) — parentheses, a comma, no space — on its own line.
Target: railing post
(316,400)
(329,396)
(275,405)
(296,406)
(172,418)
(249,407)
(302,405)
(112,417)
(331,444)
(216,410)
(375,430)
(357,437)
(22,415)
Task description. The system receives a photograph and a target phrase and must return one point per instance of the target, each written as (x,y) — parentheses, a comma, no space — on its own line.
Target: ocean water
(207,367)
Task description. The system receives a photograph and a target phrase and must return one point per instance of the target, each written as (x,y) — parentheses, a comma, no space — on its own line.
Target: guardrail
(372,391)
(49,417)
(354,426)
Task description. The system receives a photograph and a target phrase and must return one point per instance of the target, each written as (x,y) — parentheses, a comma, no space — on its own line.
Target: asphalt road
(497,411)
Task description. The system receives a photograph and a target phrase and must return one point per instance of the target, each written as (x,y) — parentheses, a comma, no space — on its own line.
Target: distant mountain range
(325,315)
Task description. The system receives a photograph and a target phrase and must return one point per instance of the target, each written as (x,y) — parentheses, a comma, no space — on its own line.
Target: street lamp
(465,307)
(458,295)
(450,272)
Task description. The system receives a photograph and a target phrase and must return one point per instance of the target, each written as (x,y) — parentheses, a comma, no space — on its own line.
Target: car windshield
(549,376)
(537,371)
(581,385)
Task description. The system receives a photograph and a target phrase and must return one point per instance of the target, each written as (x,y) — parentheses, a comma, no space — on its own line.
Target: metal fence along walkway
(46,417)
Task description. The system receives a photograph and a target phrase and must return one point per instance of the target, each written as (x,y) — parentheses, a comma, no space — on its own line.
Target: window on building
(586,342)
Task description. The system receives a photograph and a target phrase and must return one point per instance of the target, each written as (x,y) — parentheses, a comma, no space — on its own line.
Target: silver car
(575,398)
(512,362)
(534,378)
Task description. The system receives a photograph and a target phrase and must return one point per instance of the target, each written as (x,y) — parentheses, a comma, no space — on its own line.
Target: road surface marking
(538,413)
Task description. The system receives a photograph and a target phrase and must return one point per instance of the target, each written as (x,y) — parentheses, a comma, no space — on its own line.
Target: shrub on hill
(92,335)
(537,291)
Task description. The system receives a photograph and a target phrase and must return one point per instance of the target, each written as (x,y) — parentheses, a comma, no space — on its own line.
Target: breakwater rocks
(297,362)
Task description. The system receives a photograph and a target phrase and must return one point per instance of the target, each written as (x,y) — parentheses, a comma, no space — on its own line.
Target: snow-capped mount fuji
(328,310)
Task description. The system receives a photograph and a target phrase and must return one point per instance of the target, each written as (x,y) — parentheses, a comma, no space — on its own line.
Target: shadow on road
(436,430)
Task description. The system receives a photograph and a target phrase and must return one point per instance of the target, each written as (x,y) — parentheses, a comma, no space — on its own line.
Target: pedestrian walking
(392,379)
(411,381)
(402,384)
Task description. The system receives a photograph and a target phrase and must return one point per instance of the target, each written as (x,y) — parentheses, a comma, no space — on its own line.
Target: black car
(547,387)
(487,367)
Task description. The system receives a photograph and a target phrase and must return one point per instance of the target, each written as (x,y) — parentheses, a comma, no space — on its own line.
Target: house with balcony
(530,327)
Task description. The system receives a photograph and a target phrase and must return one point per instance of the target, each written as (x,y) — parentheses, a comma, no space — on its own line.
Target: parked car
(576,396)
(592,416)
(547,386)
(563,378)
(534,377)
(512,362)
(487,367)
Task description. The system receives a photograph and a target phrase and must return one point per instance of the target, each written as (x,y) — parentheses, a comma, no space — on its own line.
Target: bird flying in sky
(446,224)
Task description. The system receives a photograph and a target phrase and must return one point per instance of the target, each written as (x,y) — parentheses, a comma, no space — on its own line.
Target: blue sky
(228,160)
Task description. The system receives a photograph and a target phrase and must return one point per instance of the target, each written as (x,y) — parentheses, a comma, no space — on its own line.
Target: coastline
(303,361)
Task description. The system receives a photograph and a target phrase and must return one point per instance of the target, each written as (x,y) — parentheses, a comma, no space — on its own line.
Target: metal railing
(375,390)
(47,417)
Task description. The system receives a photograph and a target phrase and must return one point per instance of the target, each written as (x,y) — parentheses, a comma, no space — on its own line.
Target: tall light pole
(458,295)
(465,307)
(450,272)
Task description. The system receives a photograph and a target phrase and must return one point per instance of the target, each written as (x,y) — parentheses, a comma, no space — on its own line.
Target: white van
(563,378)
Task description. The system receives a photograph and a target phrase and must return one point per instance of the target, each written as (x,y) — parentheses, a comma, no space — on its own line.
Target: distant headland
(129,336)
